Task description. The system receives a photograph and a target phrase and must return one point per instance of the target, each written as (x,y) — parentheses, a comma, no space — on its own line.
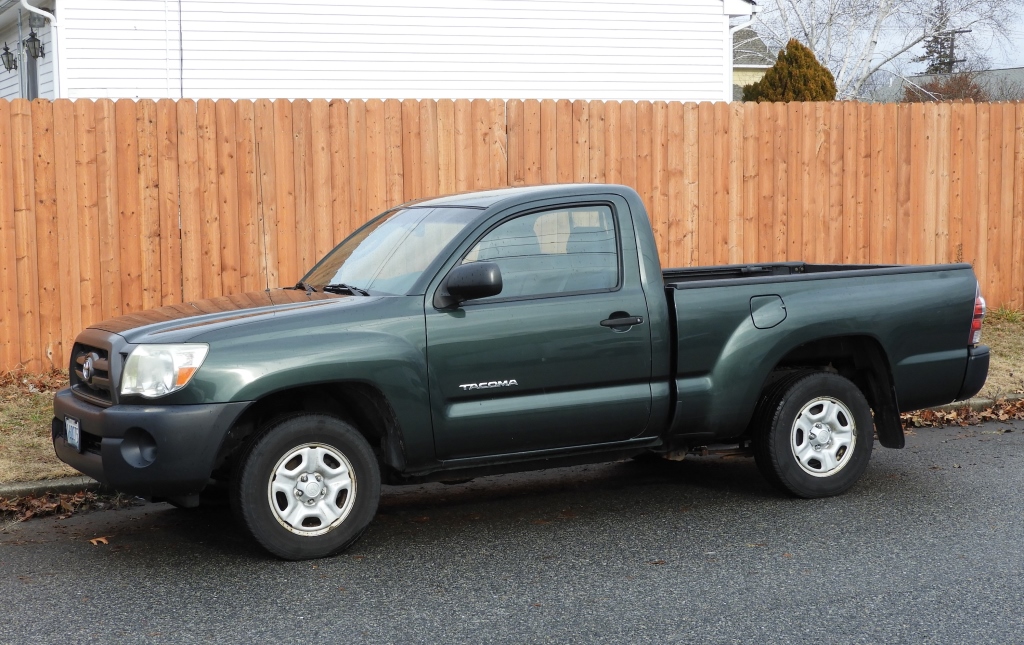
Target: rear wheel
(815,434)
(307,488)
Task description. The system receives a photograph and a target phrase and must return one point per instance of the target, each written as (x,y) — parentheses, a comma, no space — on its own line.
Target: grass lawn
(26,453)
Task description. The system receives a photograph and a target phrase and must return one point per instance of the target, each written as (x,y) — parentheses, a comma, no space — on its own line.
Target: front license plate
(72,434)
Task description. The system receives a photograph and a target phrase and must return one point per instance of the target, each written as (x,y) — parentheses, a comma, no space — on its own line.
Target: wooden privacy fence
(110,207)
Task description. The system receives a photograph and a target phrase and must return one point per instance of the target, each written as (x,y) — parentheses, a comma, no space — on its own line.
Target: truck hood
(177,323)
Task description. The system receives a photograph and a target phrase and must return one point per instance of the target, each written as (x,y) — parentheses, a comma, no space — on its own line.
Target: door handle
(627,321)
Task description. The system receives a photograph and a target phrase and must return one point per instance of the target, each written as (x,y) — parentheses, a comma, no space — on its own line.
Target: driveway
(929,547)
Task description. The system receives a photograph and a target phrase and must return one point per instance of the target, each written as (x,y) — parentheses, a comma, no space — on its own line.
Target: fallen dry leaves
(98,541)
(62,505)
(965,416)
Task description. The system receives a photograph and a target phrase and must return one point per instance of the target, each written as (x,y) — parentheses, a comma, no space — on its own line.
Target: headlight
(156,370)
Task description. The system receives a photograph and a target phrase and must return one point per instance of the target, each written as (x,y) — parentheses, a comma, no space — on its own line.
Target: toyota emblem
(87,370)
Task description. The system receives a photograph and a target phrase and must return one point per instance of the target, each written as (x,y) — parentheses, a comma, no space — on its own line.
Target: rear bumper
(147,450)
(977,372)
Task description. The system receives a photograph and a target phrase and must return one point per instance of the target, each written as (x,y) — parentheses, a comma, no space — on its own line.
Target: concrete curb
(63,485)
(79,484)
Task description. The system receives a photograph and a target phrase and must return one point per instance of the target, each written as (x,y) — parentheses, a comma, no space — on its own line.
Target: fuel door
(767,311)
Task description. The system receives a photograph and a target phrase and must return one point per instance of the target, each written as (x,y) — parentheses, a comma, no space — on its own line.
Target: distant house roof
(748,50)
(999,84)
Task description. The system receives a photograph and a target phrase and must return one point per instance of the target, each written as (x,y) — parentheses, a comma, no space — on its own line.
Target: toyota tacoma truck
(504,331)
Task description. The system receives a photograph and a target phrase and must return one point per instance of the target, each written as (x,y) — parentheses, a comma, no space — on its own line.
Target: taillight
(979,315)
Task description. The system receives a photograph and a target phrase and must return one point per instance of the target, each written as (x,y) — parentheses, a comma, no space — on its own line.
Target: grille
(91,379)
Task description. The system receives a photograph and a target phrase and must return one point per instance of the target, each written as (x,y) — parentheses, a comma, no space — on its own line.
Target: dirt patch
(26,408)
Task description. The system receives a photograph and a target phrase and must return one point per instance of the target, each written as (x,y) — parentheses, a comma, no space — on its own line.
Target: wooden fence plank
(341,170)
(302,160)
(533,150)
(691,198)
(129,202)
(480,140)
(780,216)
(463,145)
(971,211)
(904,228)
(285,193)
(251,264)
(1017,283)
(69,239)
(47,242)
(190,196)
(394,156)
(940,154)
(659,176)
(206,128)
(794,187)
(722,161)
(677,234)
(357,156)
(956,182)
(323,227)
(869,184)
(890,182)
(266,190)
(580,141)
(428,148)
(627,143)
(810,154)
(516,142)
(446,163)
(107,206)
(612,142)
(835,214)
(87,211)
(498,143)
(1004,249)
(548,142)
(928,198)
(749,170)
(167,198)
(857,135)
(563,141)
(706,196)
(376,160)
(597,145)
(644,164)
(996,263)
(765,182)
(151,277)
(25,233)
(10,336)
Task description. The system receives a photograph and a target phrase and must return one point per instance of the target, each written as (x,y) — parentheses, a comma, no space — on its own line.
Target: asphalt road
(929,547)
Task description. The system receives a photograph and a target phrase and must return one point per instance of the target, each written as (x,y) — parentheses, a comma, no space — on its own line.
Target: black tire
(343,448)
(823,469)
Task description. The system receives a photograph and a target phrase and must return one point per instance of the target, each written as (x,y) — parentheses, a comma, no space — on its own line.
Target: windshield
(390,254)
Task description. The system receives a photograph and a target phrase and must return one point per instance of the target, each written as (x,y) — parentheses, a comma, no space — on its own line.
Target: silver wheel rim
(312,489)
(823,437)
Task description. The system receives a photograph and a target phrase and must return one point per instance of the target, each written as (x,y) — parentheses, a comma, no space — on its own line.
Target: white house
(575,49)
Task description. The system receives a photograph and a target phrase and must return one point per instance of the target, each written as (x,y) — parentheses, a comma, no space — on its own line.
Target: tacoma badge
(489,384)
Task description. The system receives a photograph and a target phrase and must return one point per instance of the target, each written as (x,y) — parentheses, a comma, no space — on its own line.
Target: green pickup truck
(503,331)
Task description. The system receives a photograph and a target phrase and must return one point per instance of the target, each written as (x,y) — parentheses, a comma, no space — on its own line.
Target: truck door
(543,364)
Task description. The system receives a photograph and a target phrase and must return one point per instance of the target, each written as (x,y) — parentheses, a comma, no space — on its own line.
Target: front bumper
(146,450)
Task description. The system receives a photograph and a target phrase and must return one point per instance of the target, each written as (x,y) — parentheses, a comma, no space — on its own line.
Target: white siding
(587,49)
(10,82)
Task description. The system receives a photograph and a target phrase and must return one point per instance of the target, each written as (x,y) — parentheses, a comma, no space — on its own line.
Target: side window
(551,252)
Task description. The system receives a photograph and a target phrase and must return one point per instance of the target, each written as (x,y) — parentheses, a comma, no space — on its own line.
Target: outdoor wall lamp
(34,45)
(9,59)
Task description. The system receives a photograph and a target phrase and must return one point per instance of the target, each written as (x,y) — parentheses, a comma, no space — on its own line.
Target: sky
(1013,56)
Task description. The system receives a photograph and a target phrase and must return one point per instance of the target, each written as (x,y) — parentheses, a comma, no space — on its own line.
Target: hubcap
(823,437)
(312,489)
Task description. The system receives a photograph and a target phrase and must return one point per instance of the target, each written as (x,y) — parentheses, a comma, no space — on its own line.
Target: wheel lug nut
(319,478)
(303,478)
(298,493)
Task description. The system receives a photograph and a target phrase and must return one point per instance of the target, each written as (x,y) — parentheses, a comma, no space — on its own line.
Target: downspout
(59,90)
(754,10)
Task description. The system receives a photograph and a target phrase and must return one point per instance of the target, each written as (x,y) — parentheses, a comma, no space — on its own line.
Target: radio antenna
(263,219)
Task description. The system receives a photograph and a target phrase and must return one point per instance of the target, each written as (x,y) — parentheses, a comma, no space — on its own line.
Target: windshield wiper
(308,288)
(345,288)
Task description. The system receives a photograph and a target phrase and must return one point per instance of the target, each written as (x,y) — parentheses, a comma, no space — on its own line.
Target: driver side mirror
(469,282)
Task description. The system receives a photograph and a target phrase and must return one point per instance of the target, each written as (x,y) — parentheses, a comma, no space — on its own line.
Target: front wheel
(307,488)
(815,434)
